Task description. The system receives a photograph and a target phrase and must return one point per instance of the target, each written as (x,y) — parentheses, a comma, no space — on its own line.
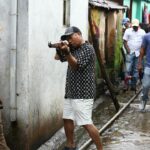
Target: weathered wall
(46,76)
(114,44)
(4,60)
(40,80)
(79,15)
(111,37)
(119,42)
(109,31)
(15,132)
(98,18)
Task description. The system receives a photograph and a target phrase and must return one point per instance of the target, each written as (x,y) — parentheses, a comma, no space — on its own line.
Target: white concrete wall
(79,15)
(40,80)
(46,75)
(4,57)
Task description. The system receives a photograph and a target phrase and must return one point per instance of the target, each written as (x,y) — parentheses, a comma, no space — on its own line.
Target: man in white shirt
(132,42)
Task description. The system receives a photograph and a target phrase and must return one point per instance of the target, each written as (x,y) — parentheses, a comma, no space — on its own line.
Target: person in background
(126,24)
(145,51)
(80,86)
(132,41)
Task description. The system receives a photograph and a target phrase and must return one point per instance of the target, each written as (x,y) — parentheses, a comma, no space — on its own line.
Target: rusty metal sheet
(106,4)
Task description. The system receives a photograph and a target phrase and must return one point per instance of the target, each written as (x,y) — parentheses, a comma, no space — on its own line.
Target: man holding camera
(80,86)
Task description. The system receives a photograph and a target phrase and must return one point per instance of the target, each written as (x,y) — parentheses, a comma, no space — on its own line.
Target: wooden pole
(95,38)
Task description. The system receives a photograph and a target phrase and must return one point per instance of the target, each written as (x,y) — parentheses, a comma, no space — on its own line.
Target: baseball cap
(69,31)
(125,20)
(135,22)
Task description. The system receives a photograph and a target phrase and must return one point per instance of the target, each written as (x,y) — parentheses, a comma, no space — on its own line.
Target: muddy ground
(131,131)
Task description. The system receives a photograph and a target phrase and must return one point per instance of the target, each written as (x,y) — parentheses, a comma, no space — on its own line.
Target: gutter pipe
(13,52)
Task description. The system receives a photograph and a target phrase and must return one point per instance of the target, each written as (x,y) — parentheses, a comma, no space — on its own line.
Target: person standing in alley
(145,50)
(125,25)
(80,86)
(132,41)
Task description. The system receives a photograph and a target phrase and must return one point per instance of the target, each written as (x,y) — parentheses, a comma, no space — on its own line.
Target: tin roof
(106,4)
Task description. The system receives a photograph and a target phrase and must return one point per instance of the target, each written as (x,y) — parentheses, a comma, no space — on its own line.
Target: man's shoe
(68,148)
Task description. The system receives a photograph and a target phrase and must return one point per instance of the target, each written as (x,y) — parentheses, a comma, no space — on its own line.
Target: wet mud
(131,131)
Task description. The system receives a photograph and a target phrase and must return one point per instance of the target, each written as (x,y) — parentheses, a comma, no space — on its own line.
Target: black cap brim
(65,36)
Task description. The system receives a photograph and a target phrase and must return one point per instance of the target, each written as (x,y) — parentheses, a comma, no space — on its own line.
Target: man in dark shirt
(80,86)
(145,50)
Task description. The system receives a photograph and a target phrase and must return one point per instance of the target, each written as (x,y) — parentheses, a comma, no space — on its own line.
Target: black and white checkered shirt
(80,83)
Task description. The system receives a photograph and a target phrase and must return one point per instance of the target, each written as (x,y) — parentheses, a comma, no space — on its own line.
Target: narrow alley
(53,52)
(131,131)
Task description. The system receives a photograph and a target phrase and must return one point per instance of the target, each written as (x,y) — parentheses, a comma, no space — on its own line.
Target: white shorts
(78,110)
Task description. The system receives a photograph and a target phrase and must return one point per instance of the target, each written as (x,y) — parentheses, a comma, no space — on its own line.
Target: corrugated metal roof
(106,4)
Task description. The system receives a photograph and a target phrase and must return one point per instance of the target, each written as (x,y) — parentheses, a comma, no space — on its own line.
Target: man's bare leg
(69,131)
(94,134)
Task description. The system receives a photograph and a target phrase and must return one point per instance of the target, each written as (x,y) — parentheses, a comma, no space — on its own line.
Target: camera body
(57,46)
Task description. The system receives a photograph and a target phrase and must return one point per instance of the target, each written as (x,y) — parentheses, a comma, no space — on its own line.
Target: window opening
(66,13)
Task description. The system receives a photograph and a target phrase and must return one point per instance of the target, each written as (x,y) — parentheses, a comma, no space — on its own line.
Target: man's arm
(126,46)
(72,61)
(142,53)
